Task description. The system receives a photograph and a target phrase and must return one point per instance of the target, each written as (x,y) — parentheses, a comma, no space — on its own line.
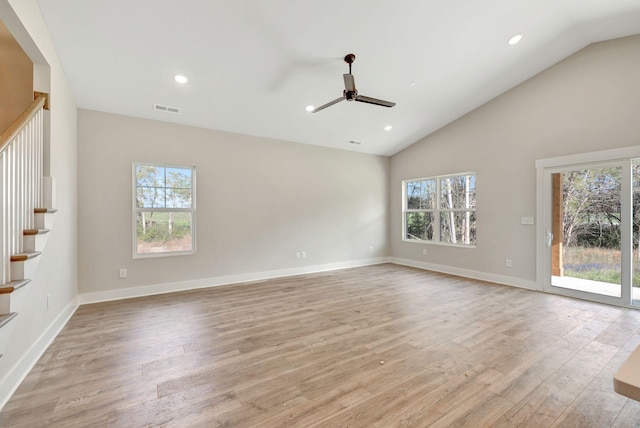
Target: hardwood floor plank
(449,400)
(629,416)
(170,412)
(482,410)
(539,408)
(327,410)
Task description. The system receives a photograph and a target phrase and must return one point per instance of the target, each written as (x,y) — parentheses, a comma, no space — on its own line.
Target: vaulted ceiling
(253,65)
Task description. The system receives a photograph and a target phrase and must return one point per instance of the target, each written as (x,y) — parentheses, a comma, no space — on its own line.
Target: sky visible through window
(163,187)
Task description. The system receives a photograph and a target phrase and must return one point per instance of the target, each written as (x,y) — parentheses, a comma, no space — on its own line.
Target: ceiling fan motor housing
(350,95)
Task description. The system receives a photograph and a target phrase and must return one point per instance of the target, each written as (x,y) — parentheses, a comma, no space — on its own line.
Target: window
(440,209)
(164,210)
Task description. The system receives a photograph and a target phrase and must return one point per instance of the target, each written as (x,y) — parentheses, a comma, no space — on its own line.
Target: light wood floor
(378,346)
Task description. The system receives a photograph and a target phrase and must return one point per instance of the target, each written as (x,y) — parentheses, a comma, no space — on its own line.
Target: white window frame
(137,209)
(437,211)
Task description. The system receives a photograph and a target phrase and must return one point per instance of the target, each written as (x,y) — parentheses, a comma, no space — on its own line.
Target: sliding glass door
(590,245)
(585,228)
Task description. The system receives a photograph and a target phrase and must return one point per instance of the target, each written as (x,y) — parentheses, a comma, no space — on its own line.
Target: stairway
(22,269)
(23,226)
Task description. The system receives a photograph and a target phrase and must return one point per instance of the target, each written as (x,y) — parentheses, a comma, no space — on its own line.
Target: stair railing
(21,157)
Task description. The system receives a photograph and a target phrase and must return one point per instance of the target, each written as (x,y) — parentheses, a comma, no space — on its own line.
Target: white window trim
(135,211)
(437,210)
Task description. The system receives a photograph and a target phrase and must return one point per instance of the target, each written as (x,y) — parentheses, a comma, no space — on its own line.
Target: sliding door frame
(544,169)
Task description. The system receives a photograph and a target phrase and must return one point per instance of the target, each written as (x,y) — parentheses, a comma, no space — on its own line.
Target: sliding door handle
(549,239)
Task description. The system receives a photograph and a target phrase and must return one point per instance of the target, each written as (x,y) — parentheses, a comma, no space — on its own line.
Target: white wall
(588,102)
(259,201)
(57,272)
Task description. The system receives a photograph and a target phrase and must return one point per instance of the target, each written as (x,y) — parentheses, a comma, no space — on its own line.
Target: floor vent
(168,109)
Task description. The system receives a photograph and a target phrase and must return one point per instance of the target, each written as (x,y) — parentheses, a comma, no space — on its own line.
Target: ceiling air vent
(357,143)
(167,109)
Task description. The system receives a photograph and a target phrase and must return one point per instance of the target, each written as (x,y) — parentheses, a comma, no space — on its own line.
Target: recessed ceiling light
(309,108)
(181,78)
(388,128)
(515,39)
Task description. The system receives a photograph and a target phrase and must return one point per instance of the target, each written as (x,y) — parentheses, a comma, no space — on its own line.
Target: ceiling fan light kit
(350,92)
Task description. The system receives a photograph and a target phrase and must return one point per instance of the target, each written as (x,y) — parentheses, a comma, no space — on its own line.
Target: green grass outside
(602,256)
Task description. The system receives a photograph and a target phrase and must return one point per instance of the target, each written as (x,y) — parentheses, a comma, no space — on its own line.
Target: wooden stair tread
(12,286)
(24,256)
(31,232)
(44,210)
(4,319)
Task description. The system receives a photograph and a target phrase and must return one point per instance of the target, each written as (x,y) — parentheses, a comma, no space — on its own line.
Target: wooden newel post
(556,218)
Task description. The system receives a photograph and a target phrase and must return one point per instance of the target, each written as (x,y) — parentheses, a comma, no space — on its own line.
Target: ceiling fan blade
(349,82)
(375,101)
(329,104)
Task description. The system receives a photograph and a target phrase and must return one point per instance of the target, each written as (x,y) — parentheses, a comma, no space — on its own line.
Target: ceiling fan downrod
(349,58)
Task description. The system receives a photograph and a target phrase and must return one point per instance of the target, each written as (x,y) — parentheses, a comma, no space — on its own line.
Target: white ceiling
(255,64)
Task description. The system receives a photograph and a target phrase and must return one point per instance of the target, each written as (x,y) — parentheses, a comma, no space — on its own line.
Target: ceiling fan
(350,92)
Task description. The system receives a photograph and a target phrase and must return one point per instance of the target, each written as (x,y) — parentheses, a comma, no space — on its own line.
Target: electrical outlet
(298,255)
(303,254)
(424,251)
(371,248)
(508,263)
(123,272)
(48,301)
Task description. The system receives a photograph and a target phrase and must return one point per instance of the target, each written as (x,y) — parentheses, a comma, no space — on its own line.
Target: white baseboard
(169,287)
(468,273)
(149,290)
(19,372)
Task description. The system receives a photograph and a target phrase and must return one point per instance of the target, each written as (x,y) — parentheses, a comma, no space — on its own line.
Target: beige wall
(56,276)
(16,78)
(259,201)
(588,102)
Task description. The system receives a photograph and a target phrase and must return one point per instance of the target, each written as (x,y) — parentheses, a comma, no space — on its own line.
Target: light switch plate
(527,220)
